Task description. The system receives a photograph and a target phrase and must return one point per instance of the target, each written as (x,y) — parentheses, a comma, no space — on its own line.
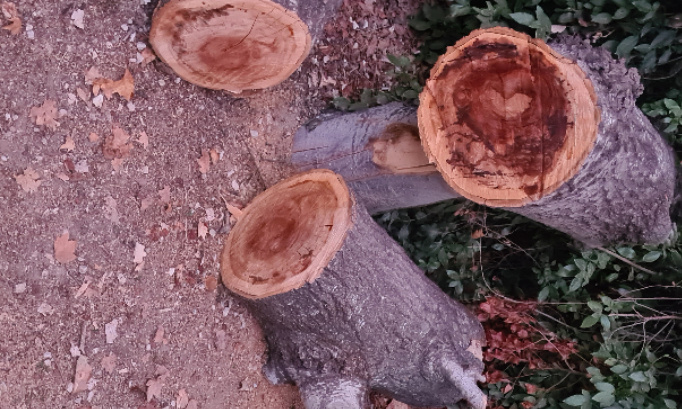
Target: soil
(140,296)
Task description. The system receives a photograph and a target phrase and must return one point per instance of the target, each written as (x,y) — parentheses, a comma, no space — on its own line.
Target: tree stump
(236,45)
(510,122)
(343,308)
(378,153)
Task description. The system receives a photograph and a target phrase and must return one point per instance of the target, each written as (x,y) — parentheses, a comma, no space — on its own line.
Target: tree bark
(368,319)
(237,45)
(378,153)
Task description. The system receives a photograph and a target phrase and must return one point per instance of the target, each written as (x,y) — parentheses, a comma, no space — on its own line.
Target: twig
(624,260)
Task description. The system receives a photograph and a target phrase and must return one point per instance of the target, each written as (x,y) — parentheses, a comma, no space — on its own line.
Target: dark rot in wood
(498,116)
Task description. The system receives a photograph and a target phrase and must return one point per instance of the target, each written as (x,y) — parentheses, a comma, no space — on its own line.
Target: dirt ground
(138,304)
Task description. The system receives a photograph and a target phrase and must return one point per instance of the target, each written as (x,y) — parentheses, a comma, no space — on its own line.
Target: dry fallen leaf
(211,283)
(69,144)
(83,94)
(91,75)
(109,363)
(29,180)
(116,145)
(65,249)
(143,139)
(215,156)
(139,254)
(202,230)
(82,376)
(9,10)
(147,56)
(124,87)
(154,387)
(159,336)
(83,288)
(182,399)
(477,234)
(204,161)
(14,26)
(110,331)
(45,114)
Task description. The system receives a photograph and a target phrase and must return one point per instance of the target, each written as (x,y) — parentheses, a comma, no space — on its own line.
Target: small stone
(98,100)
(141,46)
(235,185)
(254,133)
(20,288)
(124,27)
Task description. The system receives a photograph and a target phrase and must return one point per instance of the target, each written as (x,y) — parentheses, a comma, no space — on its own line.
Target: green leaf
(582,264)
(525,19)
(604,398)
(638,376)
(420,25)
(626,252)
(604,387)
(575,400)
(544,293)
(595,306)
(664,38)
(619,369)
(605,322)
(433,13)
(589,321)
(410,94)
(626,46)
(669,403)
(621,13)
(651,256)
(341,103)
(601,18)
(576,283)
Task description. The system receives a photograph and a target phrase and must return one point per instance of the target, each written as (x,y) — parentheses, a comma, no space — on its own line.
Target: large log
(237,45)
(378,153)
(517,134)
(511,122)
(343,308)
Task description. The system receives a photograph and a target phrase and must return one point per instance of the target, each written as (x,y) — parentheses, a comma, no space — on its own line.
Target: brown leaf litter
(9,11)
(45,114)
(65,249)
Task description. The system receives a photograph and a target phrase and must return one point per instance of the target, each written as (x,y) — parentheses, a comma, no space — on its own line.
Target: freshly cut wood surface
(505,118)
(287,235)
(232,45)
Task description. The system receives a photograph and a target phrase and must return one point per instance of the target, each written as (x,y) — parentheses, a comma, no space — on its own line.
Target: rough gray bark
(372,321)
(315,13)
(343,143)
(624,190)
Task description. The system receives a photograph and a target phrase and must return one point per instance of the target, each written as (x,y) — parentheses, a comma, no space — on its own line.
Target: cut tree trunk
(237,45)
(511,122)
(343,308)
(378,153)
(550,133)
